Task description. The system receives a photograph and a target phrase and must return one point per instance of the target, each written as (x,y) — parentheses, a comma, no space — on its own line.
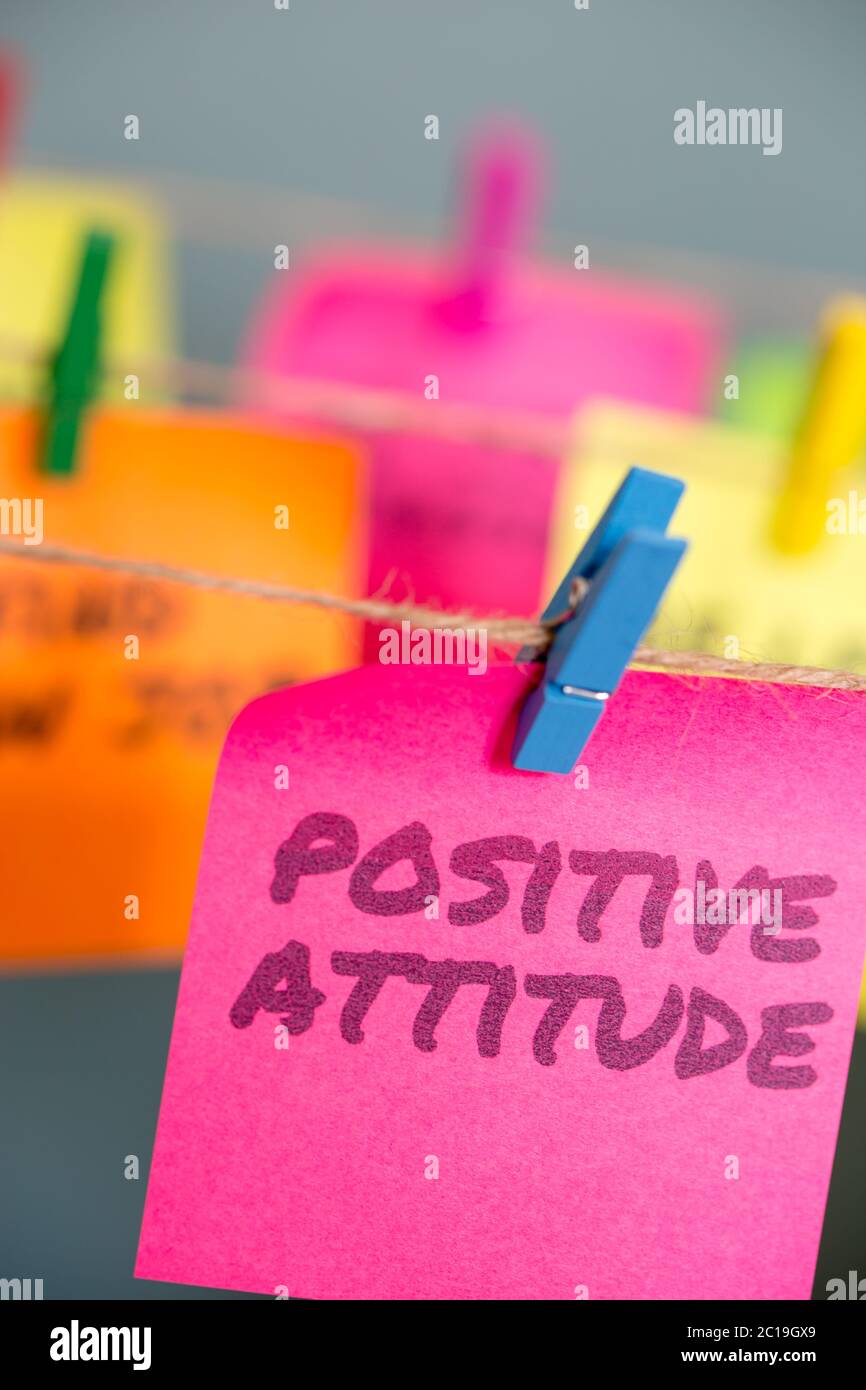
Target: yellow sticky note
(116,691)
(734,593)
(43,222)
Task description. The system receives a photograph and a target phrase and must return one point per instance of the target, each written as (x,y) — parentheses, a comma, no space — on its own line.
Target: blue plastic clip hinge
(627,564)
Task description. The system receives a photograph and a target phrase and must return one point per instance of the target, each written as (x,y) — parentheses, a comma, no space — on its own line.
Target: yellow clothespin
(832,431)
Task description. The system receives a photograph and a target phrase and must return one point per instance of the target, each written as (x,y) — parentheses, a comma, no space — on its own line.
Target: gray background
(329,99)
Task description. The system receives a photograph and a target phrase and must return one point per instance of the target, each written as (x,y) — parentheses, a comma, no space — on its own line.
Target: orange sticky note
(116,691)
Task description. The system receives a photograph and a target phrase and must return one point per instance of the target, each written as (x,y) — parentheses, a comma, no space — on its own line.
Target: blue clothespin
(626,564)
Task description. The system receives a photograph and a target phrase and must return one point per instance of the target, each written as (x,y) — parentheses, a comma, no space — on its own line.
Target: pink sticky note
(460,522)
(510,1071)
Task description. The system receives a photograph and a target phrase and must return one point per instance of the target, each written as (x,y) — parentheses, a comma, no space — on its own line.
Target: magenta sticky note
(445,1030)
(457,521)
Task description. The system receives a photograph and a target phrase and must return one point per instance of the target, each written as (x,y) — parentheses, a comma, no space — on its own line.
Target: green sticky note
(774,376)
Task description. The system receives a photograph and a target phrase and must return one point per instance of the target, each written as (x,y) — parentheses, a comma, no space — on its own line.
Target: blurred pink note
(460,521)
(445,1029)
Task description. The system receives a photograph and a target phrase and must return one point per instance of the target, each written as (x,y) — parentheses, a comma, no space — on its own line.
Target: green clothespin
(75,368)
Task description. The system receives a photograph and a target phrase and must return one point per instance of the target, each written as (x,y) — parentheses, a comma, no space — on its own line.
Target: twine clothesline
(368,409)
(505,631)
